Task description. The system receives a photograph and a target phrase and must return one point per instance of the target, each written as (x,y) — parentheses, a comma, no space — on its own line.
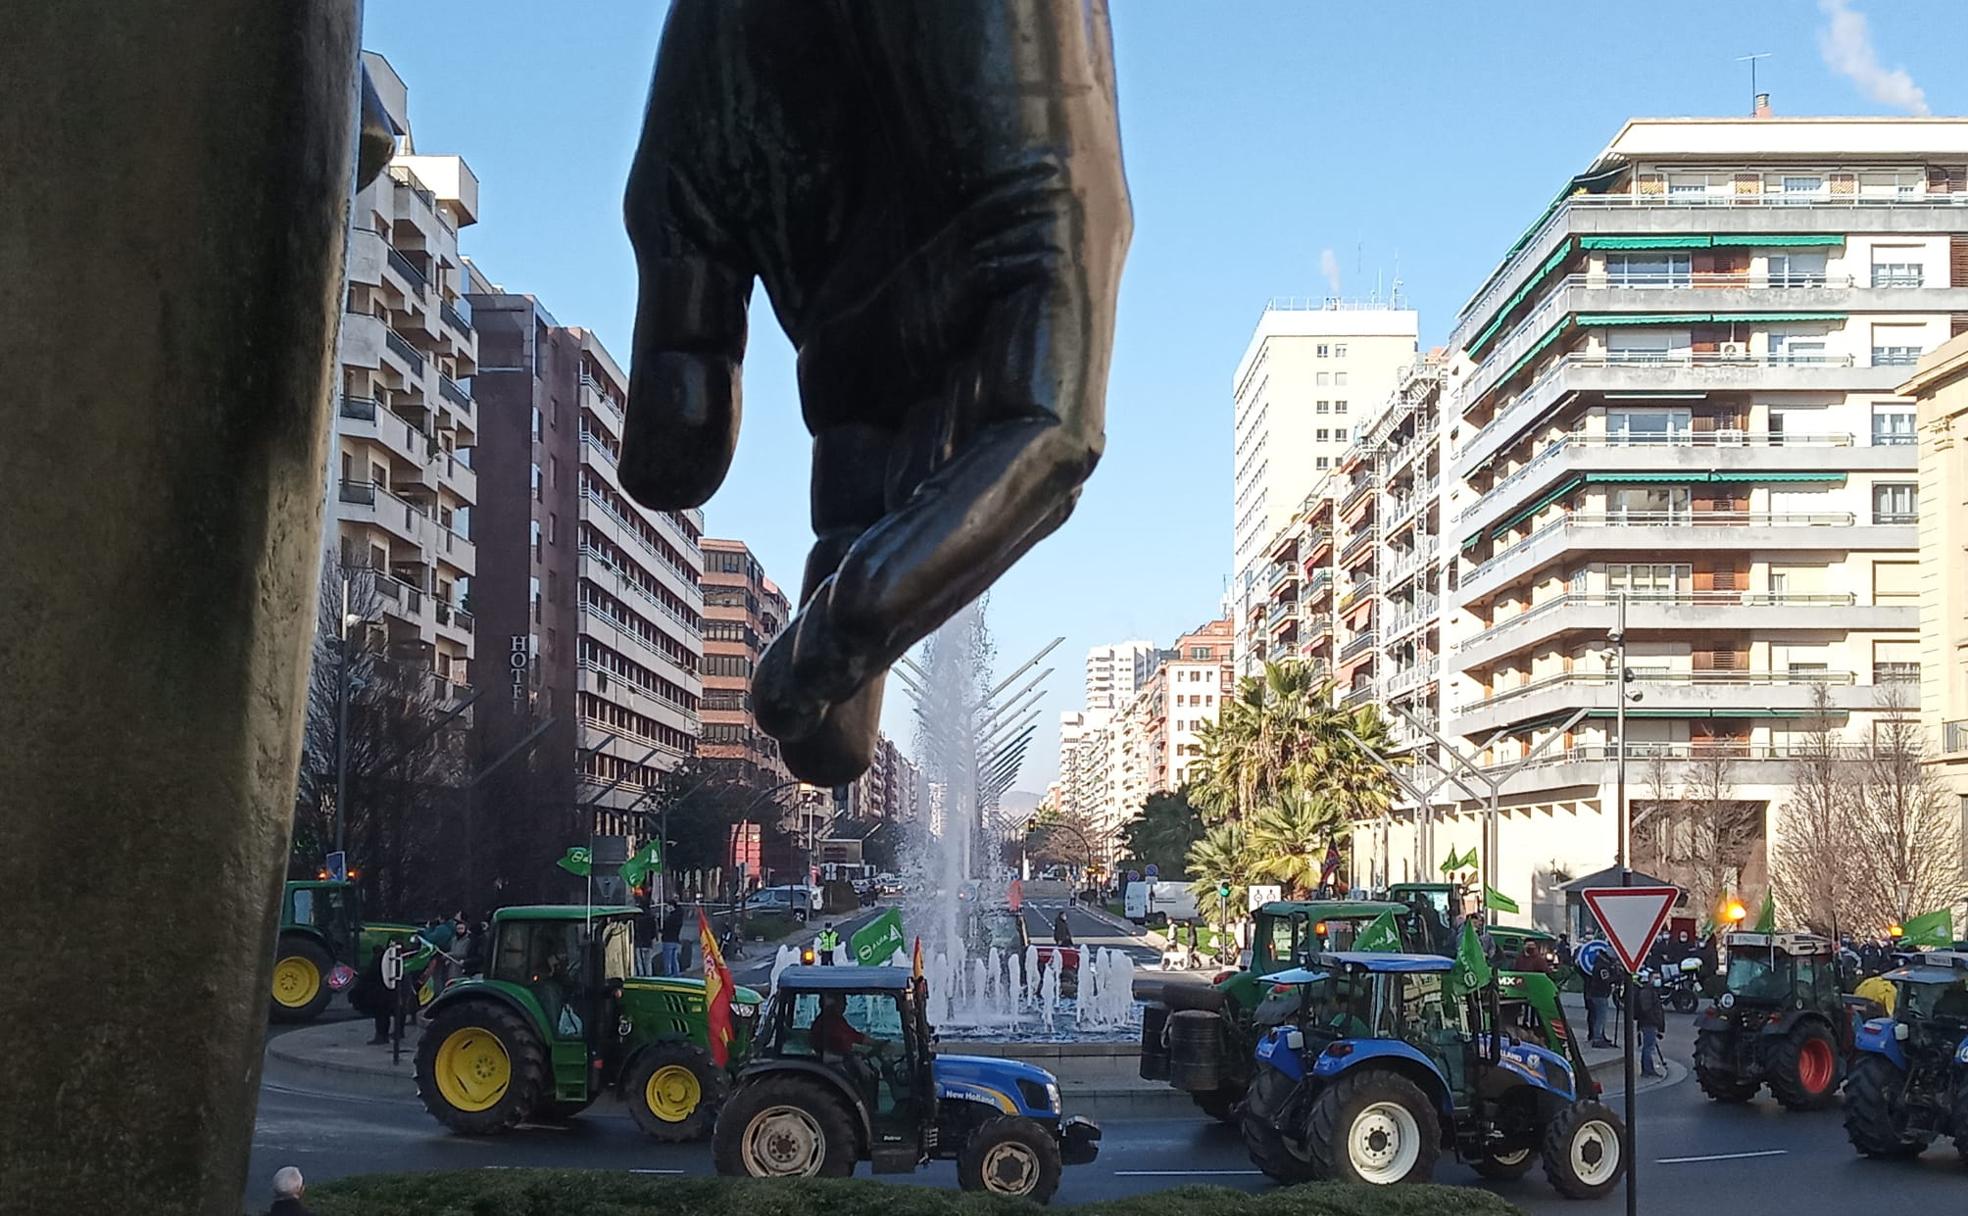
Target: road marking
(1768,1152)
(1188,1173)
(647,1171)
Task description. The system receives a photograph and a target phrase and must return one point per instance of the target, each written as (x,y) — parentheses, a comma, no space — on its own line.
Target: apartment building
(1680,389)
(593,600)
(1185,694)
(743,611)
(1115,671)
(1308,379)
(1940,386)
(406,423)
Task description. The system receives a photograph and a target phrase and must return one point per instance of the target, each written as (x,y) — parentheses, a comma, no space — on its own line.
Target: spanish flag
(915,961)
(718,987)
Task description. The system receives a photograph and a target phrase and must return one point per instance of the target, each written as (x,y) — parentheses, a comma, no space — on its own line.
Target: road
(1696,1156)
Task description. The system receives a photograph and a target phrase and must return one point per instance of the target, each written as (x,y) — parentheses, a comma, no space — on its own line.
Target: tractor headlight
(745,1011)
(1052,1095)
(1728,1000)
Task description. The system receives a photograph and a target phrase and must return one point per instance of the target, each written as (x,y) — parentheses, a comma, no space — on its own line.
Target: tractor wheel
(1871,1093)
(1717,1079)
(1507,1165)
(1269,1150)
(300,979)
(1012,1157)
(1803,1068)
(481,1069)
(785,1127)
(673,1092)
(1584,1151)
(1219,1104)
(1373,1126)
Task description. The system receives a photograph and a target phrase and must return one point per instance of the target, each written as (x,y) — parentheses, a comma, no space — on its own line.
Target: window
(553,470)
(1687,191)
(1339,379)
(1896,662)
(553,528)
(1896,266)
(1323,407)
(1340,434)
(1895,502)
(1801,190)
(533,596)
(1797,269)
(1642,580)
(1892,425)
(533,528)
(536,422)
(1322,462)
(1322,379)
(1339,407)
(1797,348)
(1636,428)
(1896,582)
(1648,504)
(1655,268)
(536,483)
(1339,350)
(1896,345)
(1324,435)
(1638,346)
(1324,350)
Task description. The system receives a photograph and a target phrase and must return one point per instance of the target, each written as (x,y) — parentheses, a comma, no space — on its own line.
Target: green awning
(1822,239)
(1641,318)
(1559,492)
(1630,478)
(1835,478)
(1531,284)
(1550,336)
(1644,242)
(1470,541)
(1778,316)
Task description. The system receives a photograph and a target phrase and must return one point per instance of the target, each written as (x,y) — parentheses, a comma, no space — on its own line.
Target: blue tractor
(1909,1079)
(1387,1066)
(844,1069)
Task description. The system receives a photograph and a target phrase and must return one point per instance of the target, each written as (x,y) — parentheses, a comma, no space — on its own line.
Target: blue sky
(1407,137)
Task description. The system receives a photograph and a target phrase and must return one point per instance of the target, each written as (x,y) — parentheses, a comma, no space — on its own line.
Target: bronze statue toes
(842,747)
(681,430)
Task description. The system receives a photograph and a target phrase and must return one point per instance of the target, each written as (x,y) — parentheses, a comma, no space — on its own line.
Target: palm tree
(1221,856)
(1162,831)
(1288,841)
(1249,751)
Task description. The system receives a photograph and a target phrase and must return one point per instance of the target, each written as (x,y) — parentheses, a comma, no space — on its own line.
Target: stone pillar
(175,178)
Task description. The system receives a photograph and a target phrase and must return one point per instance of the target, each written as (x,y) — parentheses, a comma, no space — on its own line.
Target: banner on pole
(877,941)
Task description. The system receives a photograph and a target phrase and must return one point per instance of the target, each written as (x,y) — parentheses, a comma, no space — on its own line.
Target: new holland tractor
(1909,1082)
(321,928)
(1385,1068)
(845,1069)
(1782,1022)
(559,1018)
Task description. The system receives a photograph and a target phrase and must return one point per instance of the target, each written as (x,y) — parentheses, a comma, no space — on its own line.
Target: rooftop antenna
(1751,60)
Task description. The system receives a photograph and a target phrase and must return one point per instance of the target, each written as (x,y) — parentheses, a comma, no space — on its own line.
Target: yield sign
(1631,916)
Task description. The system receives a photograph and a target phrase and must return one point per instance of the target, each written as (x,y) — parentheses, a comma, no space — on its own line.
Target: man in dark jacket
(370,998)
(1598,981)
(1650,1019)
(672,936)
(288,1187)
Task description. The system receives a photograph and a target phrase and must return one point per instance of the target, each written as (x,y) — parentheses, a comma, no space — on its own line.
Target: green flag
(1380,936)
(1766,916)
(575,862)
(1929,929)
(1450,862)
(877,941)
(1471,970)
(642,863)
(1469,858)
(1496,900)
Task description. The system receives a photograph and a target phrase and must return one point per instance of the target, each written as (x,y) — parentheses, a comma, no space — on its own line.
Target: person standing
(288,1188)
(826,944)
(1062,933)
(672,935)
(1598,981)
(1650,1018)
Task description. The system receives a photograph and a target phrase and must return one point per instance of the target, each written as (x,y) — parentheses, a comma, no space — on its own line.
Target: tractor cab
(323,941)
(1292,932)
(572,960)
(1435,907)
(331,909)
(1770,971)
(1909,1082)
(1782,1022)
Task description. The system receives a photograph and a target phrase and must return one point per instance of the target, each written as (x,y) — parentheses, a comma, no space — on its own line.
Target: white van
(1156,902)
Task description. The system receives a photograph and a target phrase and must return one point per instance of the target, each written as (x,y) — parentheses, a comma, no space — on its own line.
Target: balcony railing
(1358,644)
(454,392)
(1637,752)
(1677,679)
(647,690)
(363,409)
(404,351)
(1671,519)
(408,269)
(1685,599)
(455,617)
(1954,736)
(456,314)
(1359,695)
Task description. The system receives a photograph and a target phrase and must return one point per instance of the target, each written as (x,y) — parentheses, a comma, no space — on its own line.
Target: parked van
(1156,902)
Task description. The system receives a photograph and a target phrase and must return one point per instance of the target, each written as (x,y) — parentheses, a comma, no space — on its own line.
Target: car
(807,1108)
(797,902)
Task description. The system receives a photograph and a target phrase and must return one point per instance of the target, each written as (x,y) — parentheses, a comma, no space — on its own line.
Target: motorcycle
(1681,986)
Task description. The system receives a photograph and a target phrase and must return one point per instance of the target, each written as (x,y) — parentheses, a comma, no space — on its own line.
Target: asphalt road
(1695,1156)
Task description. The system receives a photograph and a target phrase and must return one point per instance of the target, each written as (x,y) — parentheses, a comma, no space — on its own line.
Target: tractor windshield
(1278,940)
(1934,1003)
(1344,1005)
(1759,974)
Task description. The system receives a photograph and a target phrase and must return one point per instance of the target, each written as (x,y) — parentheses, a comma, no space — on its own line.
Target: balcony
(1678,531)
(1407,679)
(1317,584)
(367,502)
(399,599)
(1669,764)
(614,686)
(454,618)
(1357,644)
(455,393)
(414,279)
(1954,737)
(1682,372)
(1726,612)
(1360,492)
(1282,573)
(1695,694)
(618,529)
(1359,545)
(457,314)
(366,418)
(1317,541)
(1358,696)
(395,344)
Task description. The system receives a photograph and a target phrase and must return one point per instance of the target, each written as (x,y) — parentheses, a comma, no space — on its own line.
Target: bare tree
(1818,832)
(1907,859)
(1694,831)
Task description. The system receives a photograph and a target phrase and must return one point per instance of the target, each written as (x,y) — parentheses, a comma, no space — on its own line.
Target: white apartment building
(1679,388)
(405,422)
(1115,671)
(1310,377)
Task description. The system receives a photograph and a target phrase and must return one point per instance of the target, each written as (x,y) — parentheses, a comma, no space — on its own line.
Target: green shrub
(528,1192)
(770,925)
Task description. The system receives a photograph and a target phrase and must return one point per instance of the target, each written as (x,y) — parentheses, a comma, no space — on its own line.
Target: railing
(596,669)
(1282,571)
(1357,696)
(404,351)
(409,596)
(1954,736)
(1411,677)
(1318,622)
(1895,356)
(453,392)
(627,626)
(404,177)
(1360,591)
(360,408)
(1671,599)
(1358,644)
(1360,542)
(1704,679)
(456,314)
(1717,751)
(457,618)
(1353,496)
(1318,580)
(1894,439)
(601,504)
(1896,517)
(419,282)
(1670,519)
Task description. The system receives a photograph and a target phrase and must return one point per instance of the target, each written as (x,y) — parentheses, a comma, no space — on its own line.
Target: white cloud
(1846,44)
(1329,266)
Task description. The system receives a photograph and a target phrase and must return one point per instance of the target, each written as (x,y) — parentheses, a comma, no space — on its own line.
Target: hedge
(531,1192)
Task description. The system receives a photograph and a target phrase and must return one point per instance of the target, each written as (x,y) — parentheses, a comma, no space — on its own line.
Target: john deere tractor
(1782,1022)
(321,928)
(559,1018)
(1385,1067)
(1909,1082)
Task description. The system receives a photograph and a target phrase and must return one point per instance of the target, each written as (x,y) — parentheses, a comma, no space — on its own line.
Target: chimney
(1762,105)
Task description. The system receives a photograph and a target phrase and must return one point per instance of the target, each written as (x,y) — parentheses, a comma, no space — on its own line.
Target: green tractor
(1200,1038)
(321,928)
(559,1017)
(1782,1023)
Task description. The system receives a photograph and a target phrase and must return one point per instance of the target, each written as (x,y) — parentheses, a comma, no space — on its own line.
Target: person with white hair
(288,1187)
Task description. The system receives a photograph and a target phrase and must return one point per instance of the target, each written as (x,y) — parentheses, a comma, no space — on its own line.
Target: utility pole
(341,721)
(1626,880)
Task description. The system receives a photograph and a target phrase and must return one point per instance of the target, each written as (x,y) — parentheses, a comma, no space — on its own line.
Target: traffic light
(1223,890)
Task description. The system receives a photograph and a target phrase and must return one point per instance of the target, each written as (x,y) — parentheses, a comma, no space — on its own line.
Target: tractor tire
(1219,1104)
(1717,1080)
(481,1070)
(673,1092)
(785,1126)
(1267,1148)
(1869,1098)
(300,980)
(1011,1157)
(1585,1151)
(1373,1126)
(1803,1068)
(1959,1127)
(1505,1166)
